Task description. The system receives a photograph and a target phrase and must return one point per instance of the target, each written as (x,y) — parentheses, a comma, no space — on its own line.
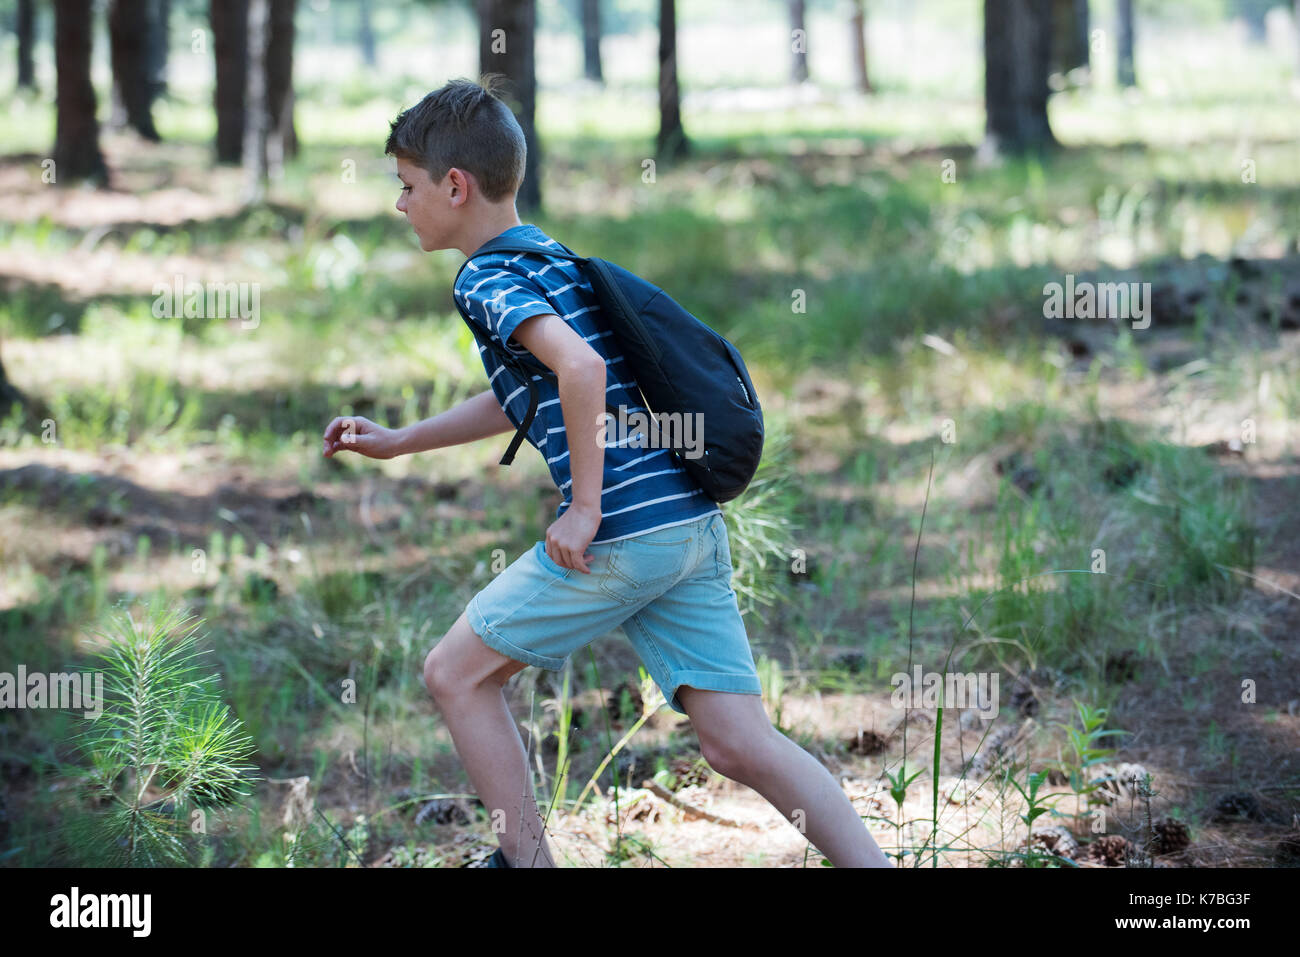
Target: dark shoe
(498,859)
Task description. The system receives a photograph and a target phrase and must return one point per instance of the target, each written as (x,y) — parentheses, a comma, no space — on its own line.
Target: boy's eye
(406,189)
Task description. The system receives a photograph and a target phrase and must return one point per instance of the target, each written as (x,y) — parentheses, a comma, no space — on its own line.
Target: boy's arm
(580,372)
(475,418)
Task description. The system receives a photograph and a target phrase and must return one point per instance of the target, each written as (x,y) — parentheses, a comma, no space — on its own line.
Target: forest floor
(121,517)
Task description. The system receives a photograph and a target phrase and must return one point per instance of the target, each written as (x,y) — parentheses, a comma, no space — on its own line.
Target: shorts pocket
(643,567)
(545,560)
(722,552)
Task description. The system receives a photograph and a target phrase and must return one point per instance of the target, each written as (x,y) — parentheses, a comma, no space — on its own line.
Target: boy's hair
(466,125)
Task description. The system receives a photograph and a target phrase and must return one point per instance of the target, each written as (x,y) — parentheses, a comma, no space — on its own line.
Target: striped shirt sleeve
(500,299)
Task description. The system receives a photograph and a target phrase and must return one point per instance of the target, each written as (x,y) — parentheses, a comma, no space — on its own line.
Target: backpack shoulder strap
(521,365)
(516,246)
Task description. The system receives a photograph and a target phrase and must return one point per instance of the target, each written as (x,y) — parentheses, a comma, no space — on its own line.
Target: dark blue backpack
(680,366)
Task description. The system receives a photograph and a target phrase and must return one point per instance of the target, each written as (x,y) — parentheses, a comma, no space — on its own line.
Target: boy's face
(428,205)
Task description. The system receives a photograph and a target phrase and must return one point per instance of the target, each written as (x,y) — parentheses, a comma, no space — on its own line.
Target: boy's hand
(356,433)
(569,535)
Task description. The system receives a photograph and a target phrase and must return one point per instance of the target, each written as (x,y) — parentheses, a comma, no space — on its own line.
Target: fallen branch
(661,792)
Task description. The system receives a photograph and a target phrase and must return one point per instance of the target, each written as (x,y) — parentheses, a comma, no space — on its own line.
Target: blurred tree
(1254,13)
(129,32)
(591,40)
(76,131)
(159,39)
(1070,41)
(274,134)
(858,33)
(282,137)
(257,103)
(229,21)
(1017,50)
(1124,43)
(798,42)
(9,393)
(671,142)
(365,33)
(506,30)
(25,28)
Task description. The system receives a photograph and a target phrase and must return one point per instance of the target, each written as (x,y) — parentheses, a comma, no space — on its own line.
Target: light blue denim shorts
(669,589)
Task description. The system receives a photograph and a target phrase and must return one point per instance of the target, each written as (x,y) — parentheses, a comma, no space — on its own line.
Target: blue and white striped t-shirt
(644,488)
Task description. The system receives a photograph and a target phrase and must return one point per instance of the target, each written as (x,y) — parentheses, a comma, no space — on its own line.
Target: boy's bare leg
(740,743)
(466,679)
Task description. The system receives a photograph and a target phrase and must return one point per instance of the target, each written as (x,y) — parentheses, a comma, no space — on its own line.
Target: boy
(636,542)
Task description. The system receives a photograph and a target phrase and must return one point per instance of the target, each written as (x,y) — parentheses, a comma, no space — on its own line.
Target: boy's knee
(444,676)
(731,759)
(438,680)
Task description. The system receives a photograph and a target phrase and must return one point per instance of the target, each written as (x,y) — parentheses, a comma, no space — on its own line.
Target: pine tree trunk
(129,30)
(1017,49)
(1070,46)
(282,138)
(1124,43)
(366,34)
(1255,13)
(671,143)
(25,28)
(76,138)
(858,32)
(9,393)
(591,40)
(159,39)
(229,20)
(512,55)
(256,113)
(798,42)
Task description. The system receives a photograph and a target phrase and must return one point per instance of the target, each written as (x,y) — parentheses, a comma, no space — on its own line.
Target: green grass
(841,211)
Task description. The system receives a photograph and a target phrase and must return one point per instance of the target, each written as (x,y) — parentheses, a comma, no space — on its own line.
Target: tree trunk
(76,138)
(511,53)
(25,28)
(858,33)
(671,143)
(159,37)
(1017,49)
(229,20)
(1124,43)
(1255,13)
(129,30)
(591,40)
(257,119)
(798,43)
(366,34)
(1069,35)
(282,138)
(9,393)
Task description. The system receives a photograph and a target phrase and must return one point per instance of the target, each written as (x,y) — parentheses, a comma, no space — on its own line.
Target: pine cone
(690,773)
(1236,806)
(1057,840)
(996,748)
(1288,850)
(865,743)
(444,811)
(1171,836)
(1122,781)
(1110,850)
